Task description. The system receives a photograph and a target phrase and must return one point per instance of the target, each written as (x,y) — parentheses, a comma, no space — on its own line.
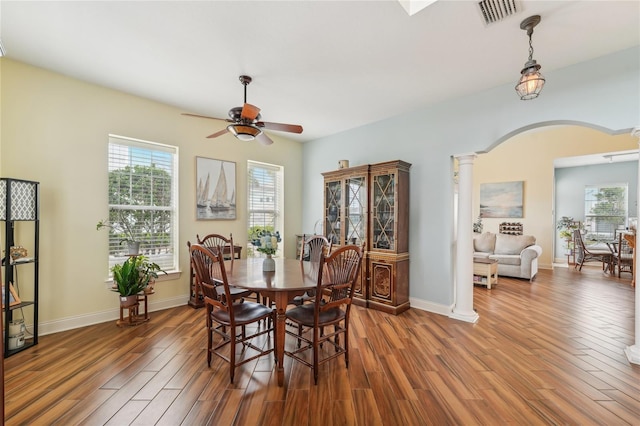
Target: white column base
(633,354)
(471,317)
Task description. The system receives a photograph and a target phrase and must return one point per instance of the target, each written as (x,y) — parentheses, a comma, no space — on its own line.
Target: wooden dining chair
(313,246)
(215,240)
(311,249)
(624,256)
(337,275)
(225,313)
(585,255)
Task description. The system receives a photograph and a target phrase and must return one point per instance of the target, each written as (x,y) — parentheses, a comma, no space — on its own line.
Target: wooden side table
(485,272)
(137,313)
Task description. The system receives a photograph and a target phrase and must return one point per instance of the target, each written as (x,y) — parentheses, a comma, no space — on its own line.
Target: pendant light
(531,81)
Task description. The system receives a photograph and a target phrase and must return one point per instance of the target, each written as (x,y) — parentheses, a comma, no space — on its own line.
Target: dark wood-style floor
(550,352)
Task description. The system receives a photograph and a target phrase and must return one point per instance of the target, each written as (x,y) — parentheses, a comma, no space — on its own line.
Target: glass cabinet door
(383,212)
(333,210)
(356,210)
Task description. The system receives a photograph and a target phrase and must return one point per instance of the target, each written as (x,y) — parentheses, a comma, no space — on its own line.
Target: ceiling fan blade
(291,128)
(264,139)
(249,112)
(216,134)
(204,116)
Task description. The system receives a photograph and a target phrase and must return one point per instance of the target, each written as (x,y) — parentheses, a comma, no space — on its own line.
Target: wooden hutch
(370,204)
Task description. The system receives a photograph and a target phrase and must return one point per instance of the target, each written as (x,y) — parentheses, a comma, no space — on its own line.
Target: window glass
(142,200)
(265,202)
(605,210)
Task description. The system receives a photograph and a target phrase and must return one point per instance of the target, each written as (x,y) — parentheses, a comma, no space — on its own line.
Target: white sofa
(517,255)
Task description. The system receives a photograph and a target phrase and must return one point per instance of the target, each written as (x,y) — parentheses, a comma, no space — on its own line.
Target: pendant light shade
(531,82)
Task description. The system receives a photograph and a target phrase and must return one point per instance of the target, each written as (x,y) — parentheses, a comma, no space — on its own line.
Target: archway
(532,162)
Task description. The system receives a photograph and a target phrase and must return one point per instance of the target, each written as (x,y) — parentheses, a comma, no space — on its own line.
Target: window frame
(591,219)
(278,202)
(169,259)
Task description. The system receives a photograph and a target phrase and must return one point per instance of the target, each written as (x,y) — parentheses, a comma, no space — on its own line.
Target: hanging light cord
(529,33)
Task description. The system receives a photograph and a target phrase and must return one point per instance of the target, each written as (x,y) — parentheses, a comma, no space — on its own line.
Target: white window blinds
(143,200)
(605,210)
(264,199)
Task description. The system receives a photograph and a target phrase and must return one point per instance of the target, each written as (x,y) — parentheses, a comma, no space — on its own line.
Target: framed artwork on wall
(504,199)
(215,189)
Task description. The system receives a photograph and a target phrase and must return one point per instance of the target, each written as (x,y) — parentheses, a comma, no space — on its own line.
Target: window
(264,200)
(143,177)
(605,210)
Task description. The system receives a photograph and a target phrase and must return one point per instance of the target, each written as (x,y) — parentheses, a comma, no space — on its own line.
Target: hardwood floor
(550,352)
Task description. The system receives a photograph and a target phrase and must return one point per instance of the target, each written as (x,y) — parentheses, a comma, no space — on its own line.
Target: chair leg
(346,342)
(209,344)
(316,337)
(232,356)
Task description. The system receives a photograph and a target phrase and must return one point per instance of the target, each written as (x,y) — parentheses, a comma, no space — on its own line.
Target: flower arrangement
(266,242)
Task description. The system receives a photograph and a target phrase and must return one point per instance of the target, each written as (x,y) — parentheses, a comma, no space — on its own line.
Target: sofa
(517,255)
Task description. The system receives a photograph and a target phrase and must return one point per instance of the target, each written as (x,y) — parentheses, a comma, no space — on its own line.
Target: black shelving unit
(20,212)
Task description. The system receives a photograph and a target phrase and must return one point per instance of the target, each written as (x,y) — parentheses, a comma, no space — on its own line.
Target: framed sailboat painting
(215,189)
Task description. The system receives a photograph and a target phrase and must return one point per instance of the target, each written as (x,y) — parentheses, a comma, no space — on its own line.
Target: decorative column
(463,303)
(633,352)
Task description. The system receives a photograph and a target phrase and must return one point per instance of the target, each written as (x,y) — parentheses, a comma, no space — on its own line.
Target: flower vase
(269,264)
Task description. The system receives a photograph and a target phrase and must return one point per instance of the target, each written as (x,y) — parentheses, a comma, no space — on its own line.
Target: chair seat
(245,313)
(304,315)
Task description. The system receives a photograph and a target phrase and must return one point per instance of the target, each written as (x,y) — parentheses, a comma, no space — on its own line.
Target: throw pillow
(513,244)
(484,242)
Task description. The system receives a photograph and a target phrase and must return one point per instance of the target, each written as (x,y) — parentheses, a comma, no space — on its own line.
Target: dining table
(291,278)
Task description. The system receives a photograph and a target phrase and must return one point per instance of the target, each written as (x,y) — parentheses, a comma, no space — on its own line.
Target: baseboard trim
(436,308)
(78,321)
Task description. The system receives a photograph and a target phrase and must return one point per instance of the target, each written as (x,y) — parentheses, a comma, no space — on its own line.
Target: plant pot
(133,247)
(269,264)
(128,301)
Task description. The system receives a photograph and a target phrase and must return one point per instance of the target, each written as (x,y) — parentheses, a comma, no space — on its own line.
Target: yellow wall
(55,131)
(529,157)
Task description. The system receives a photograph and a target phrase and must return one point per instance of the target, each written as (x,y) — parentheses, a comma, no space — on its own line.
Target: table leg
(282,300)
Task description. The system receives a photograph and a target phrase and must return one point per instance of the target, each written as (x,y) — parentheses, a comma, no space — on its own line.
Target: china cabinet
(20,212)
(370,205)
(346,213)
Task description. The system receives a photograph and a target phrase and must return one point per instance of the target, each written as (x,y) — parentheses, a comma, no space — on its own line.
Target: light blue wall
(603,93)
(570,183)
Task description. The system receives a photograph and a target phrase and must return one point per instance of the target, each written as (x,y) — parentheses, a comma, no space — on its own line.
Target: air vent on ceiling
(496,10)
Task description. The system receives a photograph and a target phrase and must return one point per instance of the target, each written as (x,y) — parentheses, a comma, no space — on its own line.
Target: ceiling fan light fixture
(531,81)
(244,132)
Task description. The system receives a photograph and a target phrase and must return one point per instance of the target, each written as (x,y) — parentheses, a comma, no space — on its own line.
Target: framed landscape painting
(503,199)
(215,189)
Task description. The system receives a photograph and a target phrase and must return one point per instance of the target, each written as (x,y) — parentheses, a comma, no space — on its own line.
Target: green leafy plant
(134,274)
(566,225)
(121,225)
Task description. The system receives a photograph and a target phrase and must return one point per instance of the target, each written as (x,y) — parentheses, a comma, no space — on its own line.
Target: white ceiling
(327,65)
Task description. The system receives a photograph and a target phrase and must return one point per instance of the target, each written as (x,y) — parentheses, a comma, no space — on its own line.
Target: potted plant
(477,225)
(123,228)
(566,225)
(133,276)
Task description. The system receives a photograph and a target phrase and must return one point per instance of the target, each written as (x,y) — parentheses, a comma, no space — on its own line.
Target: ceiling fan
(245,121)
